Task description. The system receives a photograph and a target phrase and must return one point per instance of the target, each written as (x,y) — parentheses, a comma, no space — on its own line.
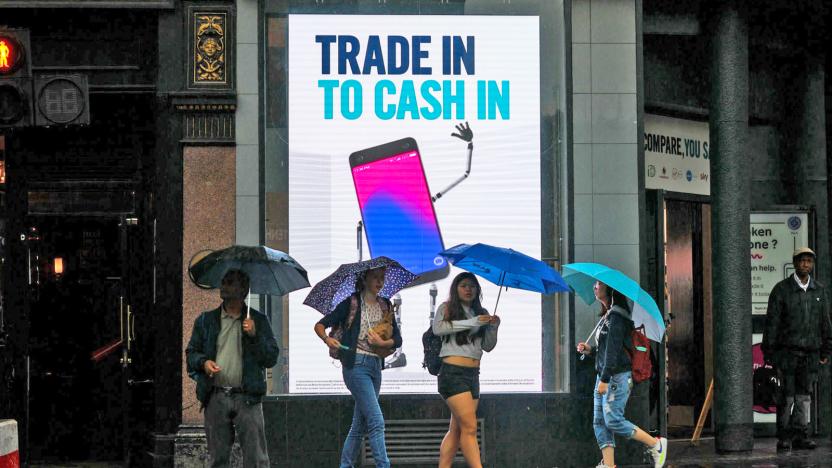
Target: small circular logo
(689,175)
(438,261)
(651,171)
(794,223)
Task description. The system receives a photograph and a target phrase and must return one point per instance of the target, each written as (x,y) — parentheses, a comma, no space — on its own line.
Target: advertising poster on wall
(774,237)
(373,101)
(676,155)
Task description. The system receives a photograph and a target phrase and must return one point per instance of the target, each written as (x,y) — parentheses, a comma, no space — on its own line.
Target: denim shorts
(454,380)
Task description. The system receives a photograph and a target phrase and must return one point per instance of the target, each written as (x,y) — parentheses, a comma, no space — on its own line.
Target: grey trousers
(794,400)
(225,414)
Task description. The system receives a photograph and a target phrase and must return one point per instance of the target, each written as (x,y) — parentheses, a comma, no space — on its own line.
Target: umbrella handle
(248,304)
(590,336)
(499,291)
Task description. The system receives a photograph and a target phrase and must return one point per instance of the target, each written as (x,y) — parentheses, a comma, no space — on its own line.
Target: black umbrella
(330,291)
(270,271)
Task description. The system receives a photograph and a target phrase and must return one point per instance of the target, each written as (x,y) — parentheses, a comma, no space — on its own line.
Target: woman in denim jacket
(361,364)
(613,384)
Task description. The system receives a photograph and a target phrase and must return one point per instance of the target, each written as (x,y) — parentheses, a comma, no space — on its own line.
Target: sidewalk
(764,455)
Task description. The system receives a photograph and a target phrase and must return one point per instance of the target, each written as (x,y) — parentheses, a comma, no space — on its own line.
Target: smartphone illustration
(398,215)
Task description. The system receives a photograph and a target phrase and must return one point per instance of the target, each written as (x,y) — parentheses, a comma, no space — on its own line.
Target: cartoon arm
(465,134)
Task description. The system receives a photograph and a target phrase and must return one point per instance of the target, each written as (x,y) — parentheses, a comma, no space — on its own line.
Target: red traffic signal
(12,54)
(15,79)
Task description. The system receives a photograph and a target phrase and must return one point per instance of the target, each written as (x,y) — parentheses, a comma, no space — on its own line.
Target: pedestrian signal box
(61,100)
(10,56)
(15,78)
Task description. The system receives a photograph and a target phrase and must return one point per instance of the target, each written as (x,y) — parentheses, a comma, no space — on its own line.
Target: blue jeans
(364,382)
(608,415)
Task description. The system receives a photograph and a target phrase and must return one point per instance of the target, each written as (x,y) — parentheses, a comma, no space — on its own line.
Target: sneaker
(804,444)
(602,465)
(659,454)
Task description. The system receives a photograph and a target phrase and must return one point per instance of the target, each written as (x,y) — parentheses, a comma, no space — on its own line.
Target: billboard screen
(372,103)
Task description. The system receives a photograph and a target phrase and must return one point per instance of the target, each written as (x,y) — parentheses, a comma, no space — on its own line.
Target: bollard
(9,454)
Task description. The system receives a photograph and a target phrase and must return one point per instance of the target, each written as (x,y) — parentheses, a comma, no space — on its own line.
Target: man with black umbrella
(229,351)
(797,340)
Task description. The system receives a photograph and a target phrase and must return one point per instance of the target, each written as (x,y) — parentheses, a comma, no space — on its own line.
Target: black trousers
(797,374)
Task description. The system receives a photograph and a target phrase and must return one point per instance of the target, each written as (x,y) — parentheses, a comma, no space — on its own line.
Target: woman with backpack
(361,350)
(612,336)
(466,330)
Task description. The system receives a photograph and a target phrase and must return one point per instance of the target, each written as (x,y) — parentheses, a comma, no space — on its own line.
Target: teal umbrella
(581,278)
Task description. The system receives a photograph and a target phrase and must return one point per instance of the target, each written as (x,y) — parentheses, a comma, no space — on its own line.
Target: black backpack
(766,387)
(432,345)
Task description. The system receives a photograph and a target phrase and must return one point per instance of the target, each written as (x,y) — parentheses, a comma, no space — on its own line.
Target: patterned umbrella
(330,291)
(270,271)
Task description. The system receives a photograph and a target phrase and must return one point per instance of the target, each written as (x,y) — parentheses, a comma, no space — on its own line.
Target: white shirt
(371,315)
(804,287)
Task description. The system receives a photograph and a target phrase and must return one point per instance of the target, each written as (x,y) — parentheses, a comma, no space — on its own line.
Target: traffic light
(15,78)
(61,100)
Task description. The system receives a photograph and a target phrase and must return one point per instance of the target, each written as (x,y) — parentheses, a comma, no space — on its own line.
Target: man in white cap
(797,340)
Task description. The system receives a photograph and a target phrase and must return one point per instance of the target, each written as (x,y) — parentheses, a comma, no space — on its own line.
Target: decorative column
(195,204)
(730,191)
(811,189)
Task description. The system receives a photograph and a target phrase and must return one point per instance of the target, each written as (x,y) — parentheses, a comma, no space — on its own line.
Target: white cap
(803,251)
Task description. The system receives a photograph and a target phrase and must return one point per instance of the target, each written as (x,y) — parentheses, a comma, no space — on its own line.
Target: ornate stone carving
(209,48)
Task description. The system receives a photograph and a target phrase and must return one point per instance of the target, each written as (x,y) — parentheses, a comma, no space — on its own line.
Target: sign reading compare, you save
(676,155)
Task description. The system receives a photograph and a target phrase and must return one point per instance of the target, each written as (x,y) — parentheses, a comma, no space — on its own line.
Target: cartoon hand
(465,132)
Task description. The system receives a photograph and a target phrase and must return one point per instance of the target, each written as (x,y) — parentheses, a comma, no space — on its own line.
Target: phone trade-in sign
(381,163)
(774,237)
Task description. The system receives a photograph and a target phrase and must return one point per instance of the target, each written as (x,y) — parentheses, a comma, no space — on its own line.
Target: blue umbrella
(506,267)
(330,291)
(270,271)
(582,276)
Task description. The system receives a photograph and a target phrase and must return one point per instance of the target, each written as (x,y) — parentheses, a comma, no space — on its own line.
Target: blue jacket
(350,337)
(616,334)
(259,353)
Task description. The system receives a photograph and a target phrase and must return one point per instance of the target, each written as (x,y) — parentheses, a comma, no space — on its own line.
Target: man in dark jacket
(228,354)
(797,340)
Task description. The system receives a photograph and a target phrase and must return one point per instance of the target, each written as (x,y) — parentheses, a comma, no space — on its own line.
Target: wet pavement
(764,455)
(681,455)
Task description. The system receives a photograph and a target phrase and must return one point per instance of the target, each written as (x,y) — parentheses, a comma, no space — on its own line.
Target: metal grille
(414,441)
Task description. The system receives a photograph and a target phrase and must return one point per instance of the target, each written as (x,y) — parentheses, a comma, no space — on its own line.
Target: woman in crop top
(466,330)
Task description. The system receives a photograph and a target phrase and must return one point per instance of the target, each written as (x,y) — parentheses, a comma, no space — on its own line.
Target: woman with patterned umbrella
(364,333)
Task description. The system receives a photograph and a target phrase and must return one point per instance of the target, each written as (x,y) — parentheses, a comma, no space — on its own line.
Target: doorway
(85,365)
(688,347)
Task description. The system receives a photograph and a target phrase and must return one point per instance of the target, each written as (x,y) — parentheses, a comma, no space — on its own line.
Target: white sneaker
(659,454)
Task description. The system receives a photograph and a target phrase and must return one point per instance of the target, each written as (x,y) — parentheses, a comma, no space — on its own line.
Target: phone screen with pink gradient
(395,203)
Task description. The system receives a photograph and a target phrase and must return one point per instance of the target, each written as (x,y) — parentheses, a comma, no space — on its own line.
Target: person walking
(228,354)
(466,330)
(362,350)
(612,336)
(797,340)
